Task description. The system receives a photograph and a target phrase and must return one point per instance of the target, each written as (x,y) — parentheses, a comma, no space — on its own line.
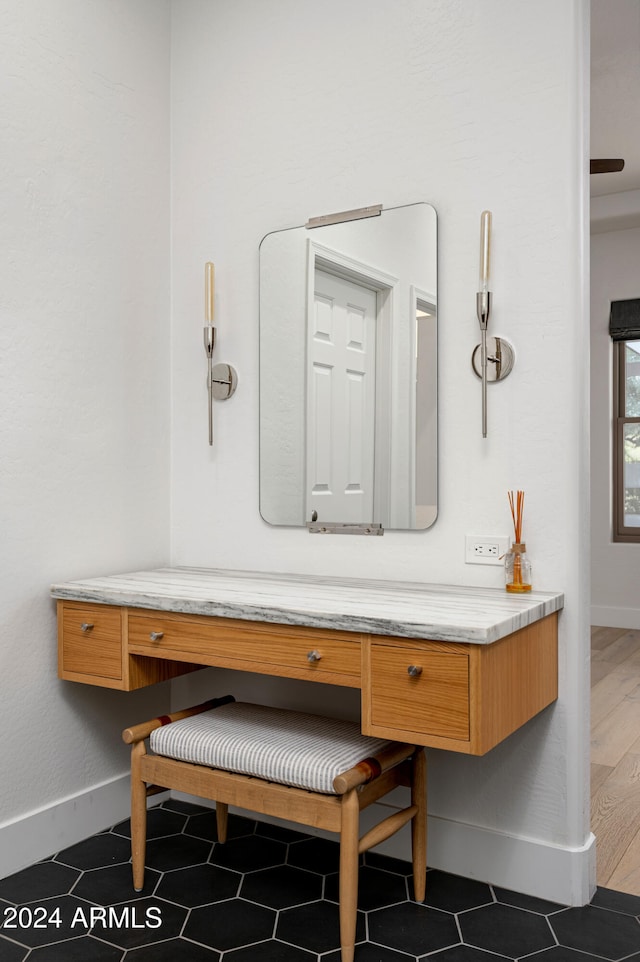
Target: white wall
(282,111)
(615,256)
(84,384)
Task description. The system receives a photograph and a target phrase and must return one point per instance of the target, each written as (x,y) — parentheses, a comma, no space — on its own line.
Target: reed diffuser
(517,566)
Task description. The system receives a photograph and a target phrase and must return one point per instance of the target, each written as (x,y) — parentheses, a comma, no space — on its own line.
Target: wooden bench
(317,771)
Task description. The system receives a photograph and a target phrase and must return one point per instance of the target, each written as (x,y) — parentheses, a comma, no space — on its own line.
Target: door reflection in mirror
(341,399)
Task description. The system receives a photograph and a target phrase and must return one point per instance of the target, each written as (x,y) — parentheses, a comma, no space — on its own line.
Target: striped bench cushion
(290,747)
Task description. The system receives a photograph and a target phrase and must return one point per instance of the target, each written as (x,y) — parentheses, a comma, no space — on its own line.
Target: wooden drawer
(90,640)
(331,656)
(433,702)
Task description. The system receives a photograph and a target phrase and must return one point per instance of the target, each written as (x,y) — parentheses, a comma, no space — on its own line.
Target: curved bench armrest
(371,768)
(136,733)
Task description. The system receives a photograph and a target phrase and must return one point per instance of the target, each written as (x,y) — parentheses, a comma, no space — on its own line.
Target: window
(626,440)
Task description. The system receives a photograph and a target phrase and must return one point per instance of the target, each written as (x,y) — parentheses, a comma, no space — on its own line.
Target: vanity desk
(448,667)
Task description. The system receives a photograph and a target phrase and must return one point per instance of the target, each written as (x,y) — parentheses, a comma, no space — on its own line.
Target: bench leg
(419,823)
(138,817)
(349,837)
(222,816)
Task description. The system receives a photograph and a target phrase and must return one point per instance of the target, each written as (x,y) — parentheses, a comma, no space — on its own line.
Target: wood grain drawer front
(420,691)
(225,641)
(92,640)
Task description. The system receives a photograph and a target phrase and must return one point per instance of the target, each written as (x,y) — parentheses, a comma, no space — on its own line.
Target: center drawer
(251,646)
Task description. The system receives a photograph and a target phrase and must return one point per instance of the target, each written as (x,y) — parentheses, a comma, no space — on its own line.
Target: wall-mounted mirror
(348,371)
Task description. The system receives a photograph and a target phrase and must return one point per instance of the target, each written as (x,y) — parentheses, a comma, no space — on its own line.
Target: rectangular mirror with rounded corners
(348,371)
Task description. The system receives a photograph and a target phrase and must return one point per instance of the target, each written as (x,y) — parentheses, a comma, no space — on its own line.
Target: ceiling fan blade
(606,166)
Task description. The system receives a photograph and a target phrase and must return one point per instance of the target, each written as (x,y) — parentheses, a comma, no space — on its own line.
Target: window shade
(624,320)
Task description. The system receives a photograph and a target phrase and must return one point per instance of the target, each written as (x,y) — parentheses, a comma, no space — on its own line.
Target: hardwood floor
(615,756)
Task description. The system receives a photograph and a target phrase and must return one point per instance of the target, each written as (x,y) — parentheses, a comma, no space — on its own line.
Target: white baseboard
(39,834)
(553,872)
(615,617)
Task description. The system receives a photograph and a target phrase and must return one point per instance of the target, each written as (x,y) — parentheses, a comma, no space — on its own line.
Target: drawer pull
(414,670)
(86,626)
(156,635)
(313,656)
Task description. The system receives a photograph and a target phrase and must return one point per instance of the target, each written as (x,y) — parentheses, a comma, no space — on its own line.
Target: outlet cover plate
(486,549)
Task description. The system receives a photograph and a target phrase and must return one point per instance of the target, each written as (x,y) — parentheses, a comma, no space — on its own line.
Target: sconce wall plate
(500,359)
(224,381)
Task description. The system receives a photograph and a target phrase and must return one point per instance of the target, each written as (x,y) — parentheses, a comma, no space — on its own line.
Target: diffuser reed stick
(517,509)
(517,565)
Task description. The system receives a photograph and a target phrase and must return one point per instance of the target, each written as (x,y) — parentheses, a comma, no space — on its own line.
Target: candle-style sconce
(492,359)
(222,379)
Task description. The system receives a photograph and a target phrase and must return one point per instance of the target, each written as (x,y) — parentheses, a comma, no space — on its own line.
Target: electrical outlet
(485,549)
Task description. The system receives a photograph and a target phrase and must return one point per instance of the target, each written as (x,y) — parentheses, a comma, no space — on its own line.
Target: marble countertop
(400,609)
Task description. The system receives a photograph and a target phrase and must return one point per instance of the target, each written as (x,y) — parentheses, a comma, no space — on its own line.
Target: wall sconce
(222,379)
(492,359)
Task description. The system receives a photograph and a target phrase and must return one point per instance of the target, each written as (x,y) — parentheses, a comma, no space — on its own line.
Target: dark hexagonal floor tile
(271,951)
(367,952)
(65,915)
(597,931)
(229,925)
(452,893)
(560,953)
(279,832)
(466,953)
(204,826)
(281,887)
(175,950)
(106,886)
(160,823)
(505,930)
(529,902)
(82,949)
(41,881)
(315,926)
(396,865)
(315,854)
(176,851)
(413,928)
(249,853)
(141,922)
(617,901)
(10,952)
(376,888)
(199,885)
(97,852)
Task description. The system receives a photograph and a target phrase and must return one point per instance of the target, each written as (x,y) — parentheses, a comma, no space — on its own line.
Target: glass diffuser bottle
(517,567)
